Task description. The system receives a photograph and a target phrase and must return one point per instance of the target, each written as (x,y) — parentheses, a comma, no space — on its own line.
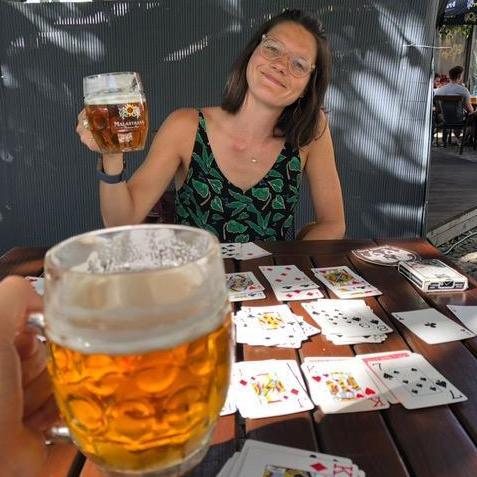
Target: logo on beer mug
(129,111)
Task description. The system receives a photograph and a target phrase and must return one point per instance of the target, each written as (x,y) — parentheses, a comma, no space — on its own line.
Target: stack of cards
(347,322)
(271,326)
(411,380)
(345,283)
(432,326)
(340,385)
(467,314)
(242,251)
(432,275)
(244,286)
(289,283)
(268,388)
(258,459)
(386,255)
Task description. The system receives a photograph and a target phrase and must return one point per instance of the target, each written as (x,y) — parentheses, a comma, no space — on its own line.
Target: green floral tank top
(208,200)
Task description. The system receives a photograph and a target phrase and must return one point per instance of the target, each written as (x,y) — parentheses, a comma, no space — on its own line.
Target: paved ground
(465,254)
(453,190)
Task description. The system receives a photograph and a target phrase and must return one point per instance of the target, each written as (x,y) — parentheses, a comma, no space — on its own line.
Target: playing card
(242,282)
(251,443)
(414,382)
(268,388)
(466,314)
(229,406)
(230,250)
(259,462)
(386,255)
(271,326)
(345,320)
(344,282)
(284,278)
(226,470)
(246,296)
(293,295)
(38,283)
(250,250)
(432,326)
(343,385)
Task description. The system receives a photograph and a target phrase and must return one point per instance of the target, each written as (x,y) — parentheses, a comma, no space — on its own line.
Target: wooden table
(432,442)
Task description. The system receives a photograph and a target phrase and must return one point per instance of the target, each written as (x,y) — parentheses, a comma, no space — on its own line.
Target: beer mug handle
(56,433)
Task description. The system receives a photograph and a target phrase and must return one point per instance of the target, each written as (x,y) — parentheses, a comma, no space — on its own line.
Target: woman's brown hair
(300,121)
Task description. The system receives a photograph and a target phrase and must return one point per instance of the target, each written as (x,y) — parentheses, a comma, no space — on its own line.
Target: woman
(238,167)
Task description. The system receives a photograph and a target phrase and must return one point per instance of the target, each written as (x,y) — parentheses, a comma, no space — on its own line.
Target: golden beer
(116,111)
(119,127)
(143,411)
(139,331)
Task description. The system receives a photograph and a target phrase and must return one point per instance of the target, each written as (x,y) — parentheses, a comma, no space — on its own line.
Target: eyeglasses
(273,49)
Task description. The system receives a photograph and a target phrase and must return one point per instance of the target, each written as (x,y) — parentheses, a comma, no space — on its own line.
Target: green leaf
(263,221)
(278,202)
(294,164)
(238,210)
(252,209)
(201,188)
(261,193)
(277,184)
(235,227)
(242,216)
(242,238)
(277,216)
(255,227)
(210,229)
(274,173)
(240,197)
(216,204)
(216,185)
(288,222)
(217,217)
(215,173)
(181,211)
(293,189)
(280,158)
(271,232)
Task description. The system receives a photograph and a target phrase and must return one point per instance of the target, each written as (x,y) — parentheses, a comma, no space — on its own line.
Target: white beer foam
(138,311)
(116,99)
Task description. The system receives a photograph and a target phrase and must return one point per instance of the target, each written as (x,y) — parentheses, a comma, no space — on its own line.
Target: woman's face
(271,81)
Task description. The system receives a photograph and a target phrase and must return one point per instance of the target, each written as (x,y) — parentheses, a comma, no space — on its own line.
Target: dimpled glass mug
(116,111)
(138,327)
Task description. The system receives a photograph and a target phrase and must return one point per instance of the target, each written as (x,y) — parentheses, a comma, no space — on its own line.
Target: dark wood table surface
(395,442)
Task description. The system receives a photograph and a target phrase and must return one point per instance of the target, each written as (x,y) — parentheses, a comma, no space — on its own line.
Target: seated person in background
(27,406)
(238,166)
(456,88)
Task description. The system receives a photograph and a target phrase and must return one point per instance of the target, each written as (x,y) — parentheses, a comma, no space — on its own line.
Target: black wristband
(109,179)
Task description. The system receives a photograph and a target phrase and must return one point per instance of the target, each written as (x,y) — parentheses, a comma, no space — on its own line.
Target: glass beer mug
(138,326)
(116,111)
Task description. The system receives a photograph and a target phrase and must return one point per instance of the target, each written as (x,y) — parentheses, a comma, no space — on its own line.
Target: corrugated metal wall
(378,102)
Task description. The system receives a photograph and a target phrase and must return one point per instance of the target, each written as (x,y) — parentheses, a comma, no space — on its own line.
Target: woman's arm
(325,190)
(129,202)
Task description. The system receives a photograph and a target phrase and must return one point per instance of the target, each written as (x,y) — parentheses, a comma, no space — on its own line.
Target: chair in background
(450,116)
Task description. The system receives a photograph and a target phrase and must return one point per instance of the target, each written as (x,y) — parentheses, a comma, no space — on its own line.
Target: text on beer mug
(116,111)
